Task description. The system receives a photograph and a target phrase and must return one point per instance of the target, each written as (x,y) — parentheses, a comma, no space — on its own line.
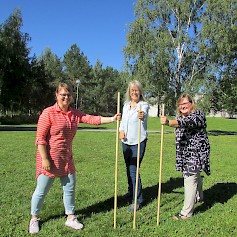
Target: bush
(19,119)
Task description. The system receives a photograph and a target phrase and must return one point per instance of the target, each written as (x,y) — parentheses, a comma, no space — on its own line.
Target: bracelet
(167,122)
(112,119)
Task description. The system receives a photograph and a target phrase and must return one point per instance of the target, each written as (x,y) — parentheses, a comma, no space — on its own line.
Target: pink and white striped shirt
(56,129)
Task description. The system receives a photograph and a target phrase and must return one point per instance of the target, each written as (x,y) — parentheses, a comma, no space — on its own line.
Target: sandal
(180,217)
(198,200)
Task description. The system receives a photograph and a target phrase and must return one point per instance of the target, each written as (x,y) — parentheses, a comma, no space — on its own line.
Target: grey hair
(139,86)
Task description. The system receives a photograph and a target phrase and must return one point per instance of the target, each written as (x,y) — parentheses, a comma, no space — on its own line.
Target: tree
(112,84)
(106,83)
(15,63)
(164,47)
(41,93)
(97,91)
(184,46)
(53,67)
(77,67)
(219,32)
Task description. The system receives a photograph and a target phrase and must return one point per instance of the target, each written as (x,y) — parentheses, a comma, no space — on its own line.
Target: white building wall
(153,111)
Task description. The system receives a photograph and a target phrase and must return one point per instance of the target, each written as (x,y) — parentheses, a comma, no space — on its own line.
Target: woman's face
(185,107)
(64,98)
(134,93)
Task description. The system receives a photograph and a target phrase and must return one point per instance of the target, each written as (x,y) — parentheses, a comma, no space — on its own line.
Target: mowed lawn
(94,154)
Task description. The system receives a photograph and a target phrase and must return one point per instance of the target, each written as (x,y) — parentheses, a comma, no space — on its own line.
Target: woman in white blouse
(129,137)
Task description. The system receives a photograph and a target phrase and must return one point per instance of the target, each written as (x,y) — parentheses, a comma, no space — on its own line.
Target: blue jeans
(44,183)
(130,158)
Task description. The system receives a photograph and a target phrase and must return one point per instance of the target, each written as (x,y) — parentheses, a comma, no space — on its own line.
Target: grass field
(94,154)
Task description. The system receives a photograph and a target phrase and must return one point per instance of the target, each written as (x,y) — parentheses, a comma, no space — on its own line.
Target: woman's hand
(122,135)
(45,164)
(117,117)
(141,115)
(164,120)
(44,155)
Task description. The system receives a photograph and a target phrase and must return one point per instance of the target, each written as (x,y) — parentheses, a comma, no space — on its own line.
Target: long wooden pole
(116,162)
(137,172)
(161,157)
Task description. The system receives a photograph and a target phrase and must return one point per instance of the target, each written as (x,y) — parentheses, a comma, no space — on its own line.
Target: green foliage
(14,63)
(28,84)
(40,89)
(219,31)
(53,67)
(19,120)
(76,64)
(163,46)
(173,47)
(94,154)
(185,46)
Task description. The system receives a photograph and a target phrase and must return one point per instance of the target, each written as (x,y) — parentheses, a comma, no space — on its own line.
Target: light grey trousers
(192,192)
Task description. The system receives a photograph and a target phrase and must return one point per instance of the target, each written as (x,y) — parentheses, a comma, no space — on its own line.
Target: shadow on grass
(219,193)
(34,128)
(92,128)
(150,193)
(219,132)
(17,128)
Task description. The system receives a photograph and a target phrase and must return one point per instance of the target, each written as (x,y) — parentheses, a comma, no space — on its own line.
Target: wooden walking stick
(161,154)
(116,162)
(137,173)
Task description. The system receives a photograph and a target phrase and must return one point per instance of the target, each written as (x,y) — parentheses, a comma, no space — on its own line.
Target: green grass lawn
(94,154)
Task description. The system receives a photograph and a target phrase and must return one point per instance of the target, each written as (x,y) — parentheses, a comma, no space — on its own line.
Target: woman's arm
(171,123)
(194,120)
(41,134)
(44,155)
(110,119)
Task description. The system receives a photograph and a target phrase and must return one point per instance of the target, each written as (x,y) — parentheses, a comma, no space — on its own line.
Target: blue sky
(98,27)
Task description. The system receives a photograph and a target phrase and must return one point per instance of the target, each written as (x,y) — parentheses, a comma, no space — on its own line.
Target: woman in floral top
(192,151)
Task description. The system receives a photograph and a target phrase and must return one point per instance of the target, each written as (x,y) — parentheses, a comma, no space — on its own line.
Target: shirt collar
(58,109)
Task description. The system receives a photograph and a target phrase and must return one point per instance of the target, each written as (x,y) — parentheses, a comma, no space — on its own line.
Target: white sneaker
(74,223)
(34,226)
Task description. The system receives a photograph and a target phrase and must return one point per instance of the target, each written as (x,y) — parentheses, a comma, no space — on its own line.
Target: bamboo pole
(137,173)
(161,157)
(116,162)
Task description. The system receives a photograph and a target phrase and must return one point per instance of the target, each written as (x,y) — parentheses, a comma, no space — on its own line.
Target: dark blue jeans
(130,158)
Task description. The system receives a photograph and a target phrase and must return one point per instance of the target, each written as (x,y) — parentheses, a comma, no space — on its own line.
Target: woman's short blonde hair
(65,86)
(190,99)
(139,86)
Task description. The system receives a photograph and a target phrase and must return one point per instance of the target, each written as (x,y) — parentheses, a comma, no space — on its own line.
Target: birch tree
(164,48)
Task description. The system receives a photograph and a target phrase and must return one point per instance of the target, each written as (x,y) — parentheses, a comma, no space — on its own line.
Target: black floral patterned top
(192,144)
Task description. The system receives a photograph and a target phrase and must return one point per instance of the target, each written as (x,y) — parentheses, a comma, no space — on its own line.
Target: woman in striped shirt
(57,126)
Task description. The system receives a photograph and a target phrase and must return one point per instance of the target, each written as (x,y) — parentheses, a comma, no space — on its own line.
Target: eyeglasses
(66,95)
(184,104)
(134,91)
